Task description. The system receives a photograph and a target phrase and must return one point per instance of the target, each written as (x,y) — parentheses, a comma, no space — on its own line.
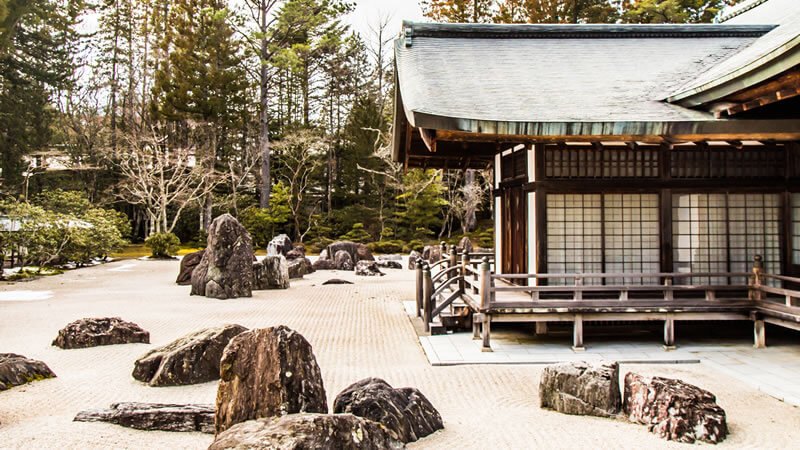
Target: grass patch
(140,250)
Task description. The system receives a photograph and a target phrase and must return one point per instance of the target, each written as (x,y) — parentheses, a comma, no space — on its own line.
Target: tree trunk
(263,137)
(210,196)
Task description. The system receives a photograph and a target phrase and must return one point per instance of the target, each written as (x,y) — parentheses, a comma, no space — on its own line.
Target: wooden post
(755,290)
(477,318)
(420,287)
(486,333)
(427,300)
(577,333)
(452,263)
(759,332)
(578,295)
(541,328)
(486,284)
(668,294)
(669,333)
(462,285)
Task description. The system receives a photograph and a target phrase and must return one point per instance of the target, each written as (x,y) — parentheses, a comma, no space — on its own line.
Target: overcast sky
(368,11)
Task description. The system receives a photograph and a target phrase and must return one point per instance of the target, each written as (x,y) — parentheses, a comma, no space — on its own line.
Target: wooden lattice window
(592,162)
(710,162)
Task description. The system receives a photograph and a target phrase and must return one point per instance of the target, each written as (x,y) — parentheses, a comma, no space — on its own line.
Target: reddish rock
(674,410)
(17,369)
(581,388)
(154,416)
(188,263)
(265,373)
(100,331)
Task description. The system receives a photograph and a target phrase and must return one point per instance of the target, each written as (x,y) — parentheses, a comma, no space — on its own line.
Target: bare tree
(300,155)
(379,48)
(159,178)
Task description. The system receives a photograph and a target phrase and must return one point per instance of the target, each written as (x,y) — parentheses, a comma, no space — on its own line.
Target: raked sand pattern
(357,331)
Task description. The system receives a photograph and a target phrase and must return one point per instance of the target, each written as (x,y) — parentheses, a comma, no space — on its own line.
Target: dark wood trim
(643,185)
(541,231)
(665,218)
(786,235)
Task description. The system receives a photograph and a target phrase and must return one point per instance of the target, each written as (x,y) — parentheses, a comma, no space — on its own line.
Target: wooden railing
(456,274)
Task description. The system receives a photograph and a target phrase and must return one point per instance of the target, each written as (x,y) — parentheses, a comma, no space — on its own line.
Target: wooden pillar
(541,328)
(476,326)
(487,296)
(577,333)
(486,332)
(669,333)
(759,333)
(427,300)
(420,287)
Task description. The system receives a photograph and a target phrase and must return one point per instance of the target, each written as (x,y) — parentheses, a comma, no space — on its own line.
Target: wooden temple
(641,172)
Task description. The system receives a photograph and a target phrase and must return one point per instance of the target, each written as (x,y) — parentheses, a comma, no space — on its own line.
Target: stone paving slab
(772,370)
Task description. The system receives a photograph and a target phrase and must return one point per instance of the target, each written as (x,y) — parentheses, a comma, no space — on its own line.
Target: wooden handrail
(519,276)
(442,273)
(780,277)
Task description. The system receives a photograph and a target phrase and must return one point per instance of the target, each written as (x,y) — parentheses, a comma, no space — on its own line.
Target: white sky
(368,11)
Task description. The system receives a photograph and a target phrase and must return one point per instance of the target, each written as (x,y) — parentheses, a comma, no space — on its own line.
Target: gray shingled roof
(767,56)
(521,79)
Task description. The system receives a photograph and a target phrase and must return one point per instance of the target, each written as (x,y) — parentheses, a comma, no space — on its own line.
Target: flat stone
(93,332)
(405,411)
(581,388)
(308,431)
(337,281)
(154,416)
(368,269)
(16,370)
(674,410)
(226,269)
(191,359)
(265,373)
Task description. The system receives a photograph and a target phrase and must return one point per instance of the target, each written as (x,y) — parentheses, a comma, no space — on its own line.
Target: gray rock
(279,245)
(674,410)
(581,388)
(412,260)
(337,281)
(299,267)
(100,331)
(357,251)
(272,272)
(390,258)
(265,373)
(299,251)
(432,253)
(188,263)
(368,269)
(154,416)
(464,244)
(405,411)
(191,359)
(308,431)
(388,264)
(16,370)
(323,264)
(226,270)
(342,261)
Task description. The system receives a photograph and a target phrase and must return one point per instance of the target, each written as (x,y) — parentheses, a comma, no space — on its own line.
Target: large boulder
(368,269)
(265,373)
(581,388)
(188,263)
(307,431)
(413,258)
(279,245)
(272,272)
(17,369)
(357,251)
(432,253)
(405,411)
(226,270)
(299,267)
(100,331)
(464,244)
(191,359)
(674,410)
(343,261)
(323,264)
(154,416)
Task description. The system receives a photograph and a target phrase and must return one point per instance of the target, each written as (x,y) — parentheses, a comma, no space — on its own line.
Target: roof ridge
(565,31)
(739,9)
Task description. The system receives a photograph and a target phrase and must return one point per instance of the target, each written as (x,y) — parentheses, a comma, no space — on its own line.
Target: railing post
(487,296)
(668,294)
(420,286)
(452,263)
(755,290)
(578,295)
(462,285)
(427,300)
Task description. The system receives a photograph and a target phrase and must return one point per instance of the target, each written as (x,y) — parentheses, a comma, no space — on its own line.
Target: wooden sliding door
(514,238)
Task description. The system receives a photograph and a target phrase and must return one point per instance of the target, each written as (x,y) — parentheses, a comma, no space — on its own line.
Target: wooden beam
(763,101)
(429,138)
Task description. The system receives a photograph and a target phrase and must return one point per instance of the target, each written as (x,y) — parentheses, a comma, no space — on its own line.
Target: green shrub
(357,234)
(414,245)
(486,239)
(163,245)
(387,246)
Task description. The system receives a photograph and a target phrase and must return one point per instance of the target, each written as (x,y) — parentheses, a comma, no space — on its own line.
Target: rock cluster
(226,269)
(674,410)
(368,269)
(188,263)
(17,369)
(332,257)
(265,373)
(299,265)
(307,431)
(389,264)
(191,359)
(405,411)
(100,331)
(272,272)
(154,416)
(581,388)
